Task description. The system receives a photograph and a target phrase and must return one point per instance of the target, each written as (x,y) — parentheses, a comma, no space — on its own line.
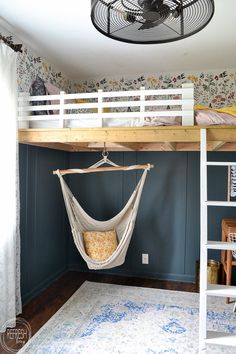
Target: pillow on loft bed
(38,89)
(227,110)
(202,116)
(215,116)
(206,117)
(41,88)
(100,245)
(52,90)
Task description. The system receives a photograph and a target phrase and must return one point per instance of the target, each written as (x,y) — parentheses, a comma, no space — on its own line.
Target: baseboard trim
(186,278)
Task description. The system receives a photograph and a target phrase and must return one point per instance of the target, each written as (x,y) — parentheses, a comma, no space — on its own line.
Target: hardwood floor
(38,311)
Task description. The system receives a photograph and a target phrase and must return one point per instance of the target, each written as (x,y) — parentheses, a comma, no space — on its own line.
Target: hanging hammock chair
(123,223)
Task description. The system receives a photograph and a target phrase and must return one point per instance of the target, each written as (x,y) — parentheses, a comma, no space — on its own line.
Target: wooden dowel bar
(102,169)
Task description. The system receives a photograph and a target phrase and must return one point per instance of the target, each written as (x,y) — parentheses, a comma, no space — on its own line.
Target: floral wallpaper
(215,89)
(30,65)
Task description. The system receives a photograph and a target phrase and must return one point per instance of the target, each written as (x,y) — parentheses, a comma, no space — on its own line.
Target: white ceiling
(62,33)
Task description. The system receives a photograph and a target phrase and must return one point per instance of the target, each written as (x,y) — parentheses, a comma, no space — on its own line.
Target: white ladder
(206,337)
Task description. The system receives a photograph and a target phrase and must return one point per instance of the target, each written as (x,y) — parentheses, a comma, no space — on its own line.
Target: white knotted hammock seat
(123,222)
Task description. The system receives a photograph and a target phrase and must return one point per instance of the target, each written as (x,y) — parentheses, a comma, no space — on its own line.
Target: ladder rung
(219,245)
(218,163)
(221,338)
(221,290)
(220,203)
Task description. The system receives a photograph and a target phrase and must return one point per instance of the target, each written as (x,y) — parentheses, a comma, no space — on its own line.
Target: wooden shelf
(168,138)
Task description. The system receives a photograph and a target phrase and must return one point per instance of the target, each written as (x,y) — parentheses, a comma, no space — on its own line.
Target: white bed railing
(95,109)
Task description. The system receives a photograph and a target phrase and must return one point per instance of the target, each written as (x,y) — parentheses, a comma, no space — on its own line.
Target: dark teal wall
(161,229)
(167,226)
(43,219)
(168,222)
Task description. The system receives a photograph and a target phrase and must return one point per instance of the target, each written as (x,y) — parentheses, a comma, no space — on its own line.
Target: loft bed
(139,120)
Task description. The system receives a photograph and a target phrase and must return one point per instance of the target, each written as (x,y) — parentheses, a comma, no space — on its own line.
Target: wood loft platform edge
(168,138)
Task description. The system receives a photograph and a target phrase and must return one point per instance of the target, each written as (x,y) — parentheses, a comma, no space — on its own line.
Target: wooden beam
(55,146)
(221,133)
(170,146)
(119,135)
(220,138)
(216,145)
(138,147)
(187,146)
(228,147)
(115,146)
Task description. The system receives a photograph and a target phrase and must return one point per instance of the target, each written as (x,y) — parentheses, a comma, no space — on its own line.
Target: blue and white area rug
(111,319)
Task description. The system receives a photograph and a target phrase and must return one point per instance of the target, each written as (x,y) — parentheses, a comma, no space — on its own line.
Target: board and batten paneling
(160,229)
(42,219)
(168,221)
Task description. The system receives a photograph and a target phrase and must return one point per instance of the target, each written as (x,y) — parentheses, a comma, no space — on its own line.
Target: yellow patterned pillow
(100,245)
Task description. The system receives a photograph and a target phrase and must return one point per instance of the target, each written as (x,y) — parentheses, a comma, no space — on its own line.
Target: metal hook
(105,153)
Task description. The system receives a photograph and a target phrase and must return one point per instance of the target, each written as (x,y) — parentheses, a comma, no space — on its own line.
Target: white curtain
(10,299)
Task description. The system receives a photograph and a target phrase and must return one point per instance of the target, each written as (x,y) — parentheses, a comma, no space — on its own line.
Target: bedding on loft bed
(203,116)
(211,116)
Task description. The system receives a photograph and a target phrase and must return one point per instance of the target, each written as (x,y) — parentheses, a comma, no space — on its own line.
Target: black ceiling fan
(150,21)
